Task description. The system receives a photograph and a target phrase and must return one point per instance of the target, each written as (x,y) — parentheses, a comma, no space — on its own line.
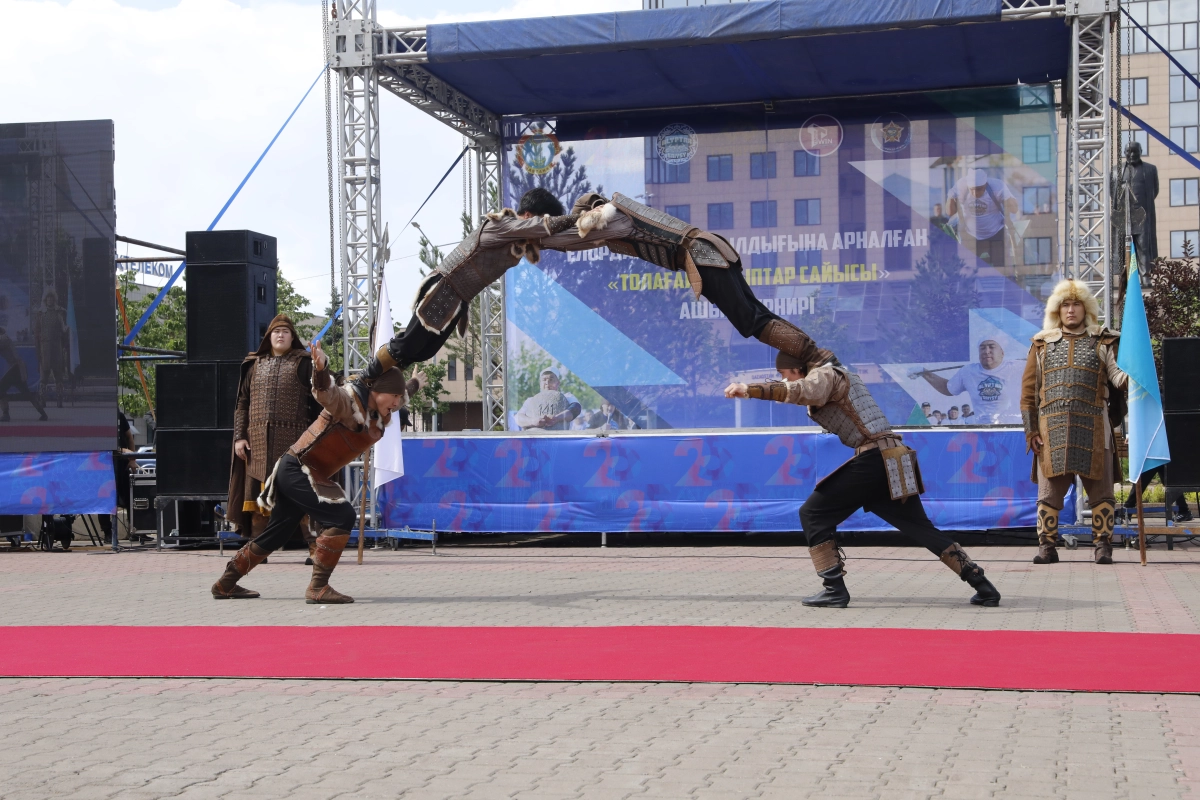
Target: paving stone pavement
(342,739)
(118,738)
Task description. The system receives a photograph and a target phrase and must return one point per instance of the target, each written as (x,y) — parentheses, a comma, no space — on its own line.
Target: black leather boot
(971,573)
(835,594)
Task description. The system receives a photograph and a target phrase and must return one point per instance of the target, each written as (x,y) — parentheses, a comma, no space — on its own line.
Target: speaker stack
(1181,410)
(231,279)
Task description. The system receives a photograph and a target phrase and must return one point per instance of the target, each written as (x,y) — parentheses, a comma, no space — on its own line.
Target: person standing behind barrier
(15,377)
(274,406)
(1071,387)
(883,476)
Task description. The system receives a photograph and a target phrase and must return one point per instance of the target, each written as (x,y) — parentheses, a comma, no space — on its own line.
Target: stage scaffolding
(367,56)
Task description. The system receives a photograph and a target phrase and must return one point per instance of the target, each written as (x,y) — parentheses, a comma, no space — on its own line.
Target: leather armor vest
(855,419)
(328,445)
(1072,406)
(278,410)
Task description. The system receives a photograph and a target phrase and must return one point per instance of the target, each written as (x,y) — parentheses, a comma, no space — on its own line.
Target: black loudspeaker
(230,247)
(231,277)
(193,462)
(1181,374)
(229,373)
(1183,439)
(187,396)
(95,312)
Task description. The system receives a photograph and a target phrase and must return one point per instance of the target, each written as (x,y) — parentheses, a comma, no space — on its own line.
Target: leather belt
(883,444)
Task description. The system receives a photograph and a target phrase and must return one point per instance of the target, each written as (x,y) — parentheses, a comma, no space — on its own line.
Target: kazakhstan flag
(1147,433)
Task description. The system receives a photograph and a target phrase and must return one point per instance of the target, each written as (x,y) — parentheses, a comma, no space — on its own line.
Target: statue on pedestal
(1135,188)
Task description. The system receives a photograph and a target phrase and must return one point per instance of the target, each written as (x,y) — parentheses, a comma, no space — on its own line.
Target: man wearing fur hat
(883,476)
(274,406)
(1071,390)
(353,420)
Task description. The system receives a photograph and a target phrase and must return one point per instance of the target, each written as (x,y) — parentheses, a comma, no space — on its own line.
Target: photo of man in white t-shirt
(982,205)
(993,384)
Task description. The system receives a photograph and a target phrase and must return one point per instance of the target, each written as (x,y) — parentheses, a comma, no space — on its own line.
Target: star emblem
(892,132)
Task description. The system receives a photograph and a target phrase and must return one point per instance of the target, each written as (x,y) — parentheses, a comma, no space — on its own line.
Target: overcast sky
(197,88)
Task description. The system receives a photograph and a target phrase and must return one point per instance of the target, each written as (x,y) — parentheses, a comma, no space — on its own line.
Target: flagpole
(1137,487)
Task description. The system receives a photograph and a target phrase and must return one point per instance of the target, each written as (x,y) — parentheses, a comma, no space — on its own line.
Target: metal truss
(41,142)
(1031,9)
(489,161)
(1088,204)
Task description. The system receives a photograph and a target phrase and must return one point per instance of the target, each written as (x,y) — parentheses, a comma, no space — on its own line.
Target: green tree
(332,340)
(166,329)
(525,373)
(936,316)
(1173,301)
(291,303)
(429,400)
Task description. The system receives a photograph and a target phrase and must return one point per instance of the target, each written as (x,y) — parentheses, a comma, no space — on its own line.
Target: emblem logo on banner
(536,151)
(676,143)
(891,133)
(821,135)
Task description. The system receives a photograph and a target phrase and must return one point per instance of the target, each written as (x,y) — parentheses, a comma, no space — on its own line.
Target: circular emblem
(990,388)
(821,135)
(676,143)
(891,133)
(537,151)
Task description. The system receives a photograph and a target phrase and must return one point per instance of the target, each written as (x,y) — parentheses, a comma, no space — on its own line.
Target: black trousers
(727,290)
(12,380)
(1131,501)
(862,483)
(294,497)
(418,343)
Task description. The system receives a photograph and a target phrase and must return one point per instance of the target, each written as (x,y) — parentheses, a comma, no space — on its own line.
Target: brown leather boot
(786,337)
(1047,529)
(971,574)
(1103,521)
(326,554)
(244,560)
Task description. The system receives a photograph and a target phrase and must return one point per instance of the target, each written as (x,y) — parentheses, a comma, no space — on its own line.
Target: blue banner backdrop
(913,235)
(57,483)
(688,482)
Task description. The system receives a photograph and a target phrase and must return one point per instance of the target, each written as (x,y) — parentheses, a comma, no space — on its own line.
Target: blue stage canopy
(752,52)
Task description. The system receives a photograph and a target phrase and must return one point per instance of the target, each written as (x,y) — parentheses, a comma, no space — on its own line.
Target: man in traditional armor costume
(625,226)
(353,420)
(883,476)
(52,339)
(1071,393)
(274,406)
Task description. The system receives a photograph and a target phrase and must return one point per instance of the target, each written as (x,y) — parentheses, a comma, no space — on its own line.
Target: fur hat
(1070,290)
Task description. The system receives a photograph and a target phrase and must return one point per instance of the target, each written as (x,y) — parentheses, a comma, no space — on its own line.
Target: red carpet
(1099,662)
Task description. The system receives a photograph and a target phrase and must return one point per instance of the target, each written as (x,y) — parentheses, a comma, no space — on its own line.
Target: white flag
(389,455)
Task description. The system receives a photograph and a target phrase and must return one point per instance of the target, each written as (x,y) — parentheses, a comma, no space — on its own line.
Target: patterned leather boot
(786,337)
(244,560)
(326,554)
(831,568)
(1047,530)
(971,573)
(1103,521)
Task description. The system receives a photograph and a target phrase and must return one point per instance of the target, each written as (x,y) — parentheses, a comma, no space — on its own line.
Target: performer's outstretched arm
(819,387)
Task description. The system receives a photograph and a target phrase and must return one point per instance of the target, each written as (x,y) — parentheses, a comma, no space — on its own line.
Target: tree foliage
(935,319)
(166,329)
(1173,301)
(524,378)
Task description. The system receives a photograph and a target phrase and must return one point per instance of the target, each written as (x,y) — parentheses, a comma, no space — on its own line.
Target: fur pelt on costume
(1070,290)
(597,219)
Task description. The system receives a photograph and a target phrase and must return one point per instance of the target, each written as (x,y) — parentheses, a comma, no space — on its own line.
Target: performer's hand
(737,390)
(242,448)
(320,360)
(1037,443)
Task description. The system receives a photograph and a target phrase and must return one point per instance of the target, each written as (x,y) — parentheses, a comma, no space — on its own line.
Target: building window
(1035,149)
(720,168)
(1178,240)
(1037,250)
(1134,91)
(468,369)
(805,164)
(762,166)
(1036,200)
(764,260)
(720,216)
(762,214)
(1135,136)
(683,212)
(1183,35)
(1182,90)
(808,212)
(451,369)
(659,171)
(1185,137)
(1184,191)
